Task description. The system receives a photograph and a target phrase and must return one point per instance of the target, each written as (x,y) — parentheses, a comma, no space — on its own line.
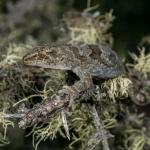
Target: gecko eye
(42,55)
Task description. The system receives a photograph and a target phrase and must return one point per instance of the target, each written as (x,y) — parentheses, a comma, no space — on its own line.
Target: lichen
(4,123)
(43,132)
(117,87)
(136,139)
(141,62)
(85,29)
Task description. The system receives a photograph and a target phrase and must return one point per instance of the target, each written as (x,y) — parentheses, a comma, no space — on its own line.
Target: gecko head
(47,57)
(36,57)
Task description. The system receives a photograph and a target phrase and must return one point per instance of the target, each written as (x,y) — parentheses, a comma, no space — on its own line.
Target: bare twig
(100,128)
(64,120)
(13,116)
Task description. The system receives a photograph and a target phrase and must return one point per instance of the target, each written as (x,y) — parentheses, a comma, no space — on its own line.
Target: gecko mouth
(40,63)
(33,62)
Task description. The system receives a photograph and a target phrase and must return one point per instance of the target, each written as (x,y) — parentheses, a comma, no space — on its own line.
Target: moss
(141,62)
(84,28)
(136,139)
(4,123)
(42,132)
(117,88)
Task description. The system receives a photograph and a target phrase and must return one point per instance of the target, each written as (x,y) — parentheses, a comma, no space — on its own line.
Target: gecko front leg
(42,111)
(77,89)
(74,92)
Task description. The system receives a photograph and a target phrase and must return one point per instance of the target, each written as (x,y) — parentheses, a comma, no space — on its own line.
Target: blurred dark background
(132,21)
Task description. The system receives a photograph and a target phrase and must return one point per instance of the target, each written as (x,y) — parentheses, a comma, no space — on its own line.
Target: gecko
(87,61)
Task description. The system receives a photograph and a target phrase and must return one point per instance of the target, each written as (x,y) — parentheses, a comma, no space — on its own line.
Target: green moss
(43,132)
(136,139)
(117,88)
(83,29)
(141,62)
(4,123)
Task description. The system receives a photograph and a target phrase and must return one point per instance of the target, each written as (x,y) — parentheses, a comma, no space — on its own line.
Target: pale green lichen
(15,52)
(4,123)
(109,121)
(136,139)
(141,62)
(80,121)
(8,86)
(3,141)
(89,30)
(117,87)
(42,132)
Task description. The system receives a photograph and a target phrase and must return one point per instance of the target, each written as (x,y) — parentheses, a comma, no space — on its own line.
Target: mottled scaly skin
(87,61)
(97,60)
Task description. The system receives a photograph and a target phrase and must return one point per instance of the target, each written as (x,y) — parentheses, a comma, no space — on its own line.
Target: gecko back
(97,60)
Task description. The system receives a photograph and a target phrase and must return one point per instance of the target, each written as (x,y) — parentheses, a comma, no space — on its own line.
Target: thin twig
(100,128)
(13,116)
(65,124)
